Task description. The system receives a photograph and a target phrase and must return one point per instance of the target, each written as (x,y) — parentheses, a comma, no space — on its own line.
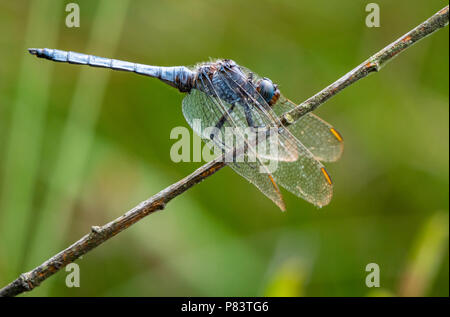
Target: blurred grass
(67,176)
(287,281)
(426,256)
(24,146)
(105,147)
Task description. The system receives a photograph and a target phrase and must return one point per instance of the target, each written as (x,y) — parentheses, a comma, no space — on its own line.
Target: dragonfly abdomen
(179,77)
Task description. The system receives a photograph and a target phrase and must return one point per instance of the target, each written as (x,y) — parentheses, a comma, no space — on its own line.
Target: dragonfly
(222,94)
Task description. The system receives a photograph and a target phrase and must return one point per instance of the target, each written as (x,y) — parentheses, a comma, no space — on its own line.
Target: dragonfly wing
(281,144)
(306,178)
(320,137)
(201,113)
(296,168)
(209,110)
(265,181)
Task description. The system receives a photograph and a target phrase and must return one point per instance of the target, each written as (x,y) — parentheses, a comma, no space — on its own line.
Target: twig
(98,235)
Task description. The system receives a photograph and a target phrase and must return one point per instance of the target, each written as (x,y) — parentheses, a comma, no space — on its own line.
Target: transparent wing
(305,177)
(201,113)
(258,113)
(321,138)
(208,109)
(264,181)
(301,174)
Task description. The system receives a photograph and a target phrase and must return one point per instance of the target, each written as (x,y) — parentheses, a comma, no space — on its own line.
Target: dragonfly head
(268,90)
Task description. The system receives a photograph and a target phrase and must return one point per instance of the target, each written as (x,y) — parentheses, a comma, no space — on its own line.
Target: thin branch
(98,235)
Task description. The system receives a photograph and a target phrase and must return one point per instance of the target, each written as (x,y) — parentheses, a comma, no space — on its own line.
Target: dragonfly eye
(266,89)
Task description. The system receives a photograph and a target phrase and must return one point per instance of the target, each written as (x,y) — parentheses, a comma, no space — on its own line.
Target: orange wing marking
(327,176)
(337,134)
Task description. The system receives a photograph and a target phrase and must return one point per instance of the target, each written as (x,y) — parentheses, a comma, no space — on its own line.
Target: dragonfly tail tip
(35,51)
(32,51)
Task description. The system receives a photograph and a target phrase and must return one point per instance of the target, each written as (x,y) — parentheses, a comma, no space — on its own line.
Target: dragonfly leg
(222,120)
(248,116)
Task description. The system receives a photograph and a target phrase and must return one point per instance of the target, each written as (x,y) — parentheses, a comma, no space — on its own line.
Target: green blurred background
(80,146)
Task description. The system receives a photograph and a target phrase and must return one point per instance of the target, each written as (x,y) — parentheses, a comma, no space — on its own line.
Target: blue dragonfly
(222,94)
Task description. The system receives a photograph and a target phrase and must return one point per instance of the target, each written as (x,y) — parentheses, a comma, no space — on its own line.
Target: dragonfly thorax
(223,77)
